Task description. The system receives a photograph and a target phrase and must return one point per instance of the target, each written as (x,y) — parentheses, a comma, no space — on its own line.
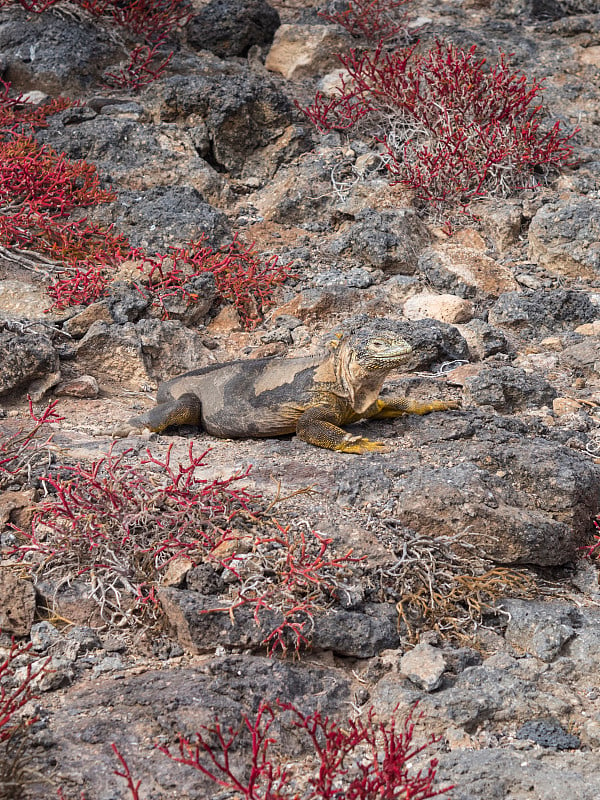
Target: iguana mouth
(389,355)
(394,352)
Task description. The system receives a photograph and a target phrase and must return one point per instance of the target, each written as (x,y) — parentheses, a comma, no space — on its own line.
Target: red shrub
(27,448)
(13,697)
(375,20)
(39,189)
(42,196)
(140,71)
(452,129)
(132,785)
(593,550)
(292,572)
(241,277)
(359,760)
(152,19)
(20,116)
(42,192)
(122,526)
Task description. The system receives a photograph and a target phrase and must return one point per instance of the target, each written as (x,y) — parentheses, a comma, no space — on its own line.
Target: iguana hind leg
(398,406)
(186,410)
(319,426)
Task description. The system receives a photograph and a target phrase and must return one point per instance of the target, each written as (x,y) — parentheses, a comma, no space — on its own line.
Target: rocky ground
(471,596)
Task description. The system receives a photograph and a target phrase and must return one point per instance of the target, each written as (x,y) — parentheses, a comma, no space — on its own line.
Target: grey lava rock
(548,733)
(25,358)
(508,389)
(356,278)
(390,240)
(483,339)
(51,53)
(126,151)
(203,623)
(43,635)
(166,215)
(520,509)
(431,266)
(158,704)
(357,634)
(205,579)
(243,112)
(544,10)
(202,288)
(497,774)
(125,302)
(564,237)
(583,357)
(544,309)
(541,629)
(170,348)
(232,27)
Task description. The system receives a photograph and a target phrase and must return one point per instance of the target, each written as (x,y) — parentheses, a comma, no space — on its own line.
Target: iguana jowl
(310,396)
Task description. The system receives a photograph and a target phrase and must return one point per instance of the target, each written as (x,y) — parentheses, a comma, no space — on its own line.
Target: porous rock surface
(215,146)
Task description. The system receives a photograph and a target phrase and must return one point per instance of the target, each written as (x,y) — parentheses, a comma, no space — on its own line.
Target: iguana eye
(377,344)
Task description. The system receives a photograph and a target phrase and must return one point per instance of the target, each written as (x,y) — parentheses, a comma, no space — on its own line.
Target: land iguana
(311,396)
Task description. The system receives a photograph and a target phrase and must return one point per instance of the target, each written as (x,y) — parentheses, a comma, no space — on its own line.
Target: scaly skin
(309,396)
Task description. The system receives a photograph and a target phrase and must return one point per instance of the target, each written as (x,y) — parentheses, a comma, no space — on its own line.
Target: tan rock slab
(299,51)
(79,325)
(14,501)
(17,602)
(113,353)
(565,405)
(443,307)
(469,237)
(458,376)
(424,666)
(589,328)
(86,386)
(564,237)
(591,55)
(227,320)
(176,571)
(20,300)
(476,269)
(332,83)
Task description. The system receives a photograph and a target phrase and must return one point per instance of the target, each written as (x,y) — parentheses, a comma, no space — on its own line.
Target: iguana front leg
(319,425)
(186,410)
(398,406)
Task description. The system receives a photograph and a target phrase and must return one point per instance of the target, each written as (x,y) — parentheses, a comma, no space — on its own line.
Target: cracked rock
(424,666)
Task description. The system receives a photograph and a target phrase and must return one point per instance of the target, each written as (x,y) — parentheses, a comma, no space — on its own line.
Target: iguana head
(362,359)
(371,350)
(377,350)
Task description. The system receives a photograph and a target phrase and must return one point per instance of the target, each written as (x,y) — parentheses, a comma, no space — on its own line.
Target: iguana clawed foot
(360,444)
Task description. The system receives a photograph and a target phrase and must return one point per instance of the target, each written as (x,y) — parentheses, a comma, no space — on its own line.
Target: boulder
(443,307)
(564,237)
(26,358)
(231,27)
(302,51)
